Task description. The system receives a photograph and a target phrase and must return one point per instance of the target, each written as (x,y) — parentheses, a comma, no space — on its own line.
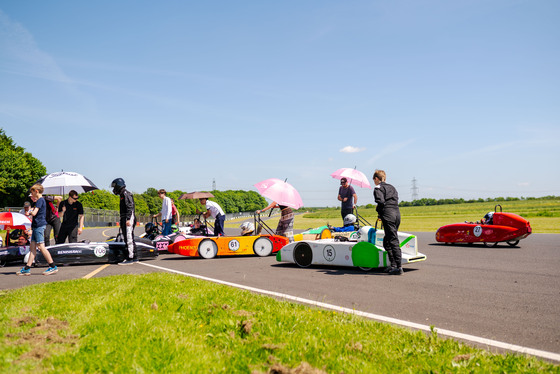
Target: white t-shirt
(166,210)
(214,208)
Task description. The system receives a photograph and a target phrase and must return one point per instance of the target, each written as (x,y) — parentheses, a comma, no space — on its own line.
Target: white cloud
(350,149)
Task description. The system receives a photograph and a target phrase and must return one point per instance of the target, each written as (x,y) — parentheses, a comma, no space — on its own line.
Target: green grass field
(168,323)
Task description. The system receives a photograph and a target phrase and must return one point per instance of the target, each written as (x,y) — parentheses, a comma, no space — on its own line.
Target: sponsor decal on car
(69,252)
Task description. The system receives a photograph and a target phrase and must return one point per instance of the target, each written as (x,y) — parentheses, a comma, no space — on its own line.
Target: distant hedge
(426,202)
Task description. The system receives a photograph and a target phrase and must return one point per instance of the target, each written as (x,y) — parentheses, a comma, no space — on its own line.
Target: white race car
(364,249)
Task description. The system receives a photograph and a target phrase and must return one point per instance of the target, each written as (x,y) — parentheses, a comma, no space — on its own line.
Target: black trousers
(391,220)
(52,226)
(67,232)
(346,211)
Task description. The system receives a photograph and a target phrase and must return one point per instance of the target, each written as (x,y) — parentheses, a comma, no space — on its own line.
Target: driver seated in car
(197,228)
(247,228)
(349,224)
(487,219)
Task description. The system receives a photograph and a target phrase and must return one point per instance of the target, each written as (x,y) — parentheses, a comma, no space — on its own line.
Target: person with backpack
(53,220)
(72,212)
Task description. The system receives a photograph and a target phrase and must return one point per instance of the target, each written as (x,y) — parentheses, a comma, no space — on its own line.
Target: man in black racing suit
(127,220)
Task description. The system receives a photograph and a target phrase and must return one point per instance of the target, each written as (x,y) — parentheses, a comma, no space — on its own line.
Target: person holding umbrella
(72,225)
(348,197)
(286,223)
(39,213)
(215,210)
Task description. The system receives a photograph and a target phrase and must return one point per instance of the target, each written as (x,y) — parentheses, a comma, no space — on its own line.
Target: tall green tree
(18,171)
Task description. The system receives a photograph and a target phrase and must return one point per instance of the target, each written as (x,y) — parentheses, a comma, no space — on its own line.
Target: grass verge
(162,322)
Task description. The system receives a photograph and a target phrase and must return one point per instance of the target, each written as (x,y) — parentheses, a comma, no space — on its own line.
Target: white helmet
(349,219)
(247,227)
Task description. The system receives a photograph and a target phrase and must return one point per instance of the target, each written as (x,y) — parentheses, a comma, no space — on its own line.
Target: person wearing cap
(348,197)
(26,208)
(215,210)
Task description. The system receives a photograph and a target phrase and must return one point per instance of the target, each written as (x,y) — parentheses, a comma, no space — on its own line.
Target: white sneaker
(127,261)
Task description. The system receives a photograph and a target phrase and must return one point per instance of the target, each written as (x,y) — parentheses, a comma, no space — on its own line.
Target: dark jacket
(126,204)
(386,197)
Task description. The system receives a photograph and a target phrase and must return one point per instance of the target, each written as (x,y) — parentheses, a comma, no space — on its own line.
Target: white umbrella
(62,182)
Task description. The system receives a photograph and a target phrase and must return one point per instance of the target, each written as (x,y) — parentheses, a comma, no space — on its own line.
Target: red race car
(495,227)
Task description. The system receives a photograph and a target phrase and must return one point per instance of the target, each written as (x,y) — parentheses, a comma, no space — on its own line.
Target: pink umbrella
(281,192)
(354,176)
(12,220)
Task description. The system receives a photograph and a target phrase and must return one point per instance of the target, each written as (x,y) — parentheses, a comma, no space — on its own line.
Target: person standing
(215,210)
(286,223)
(53,219)
(26,208)
(166,212)
(37,237)
(127,220)
(348,196)
(72,212)
(387,199)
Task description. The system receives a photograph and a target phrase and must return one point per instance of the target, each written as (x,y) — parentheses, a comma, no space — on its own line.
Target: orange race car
(248,244)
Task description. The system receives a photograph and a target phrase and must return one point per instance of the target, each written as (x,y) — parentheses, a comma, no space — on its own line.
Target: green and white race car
(364,249)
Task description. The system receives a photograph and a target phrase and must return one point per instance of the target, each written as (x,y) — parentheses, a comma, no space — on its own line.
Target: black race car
(84,252)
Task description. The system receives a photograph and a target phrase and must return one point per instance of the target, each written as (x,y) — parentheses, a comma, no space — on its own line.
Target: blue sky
(461,95)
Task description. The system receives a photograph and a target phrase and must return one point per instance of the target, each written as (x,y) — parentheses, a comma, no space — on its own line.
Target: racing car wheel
(303,255)
(263,246)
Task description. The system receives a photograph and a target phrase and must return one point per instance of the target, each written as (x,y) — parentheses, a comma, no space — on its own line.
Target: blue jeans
(38,234)
(166,229)
(219,225)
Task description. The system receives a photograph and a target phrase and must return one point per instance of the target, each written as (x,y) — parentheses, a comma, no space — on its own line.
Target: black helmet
(118,185)
(150,228)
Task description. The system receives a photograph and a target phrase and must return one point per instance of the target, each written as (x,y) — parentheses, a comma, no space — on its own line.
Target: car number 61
(233,245)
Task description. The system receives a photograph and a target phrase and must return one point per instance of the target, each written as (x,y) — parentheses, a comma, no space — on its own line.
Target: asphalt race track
(508,294)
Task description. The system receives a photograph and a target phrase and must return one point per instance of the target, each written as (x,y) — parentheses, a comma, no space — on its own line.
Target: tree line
(19,170)
(231,201)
